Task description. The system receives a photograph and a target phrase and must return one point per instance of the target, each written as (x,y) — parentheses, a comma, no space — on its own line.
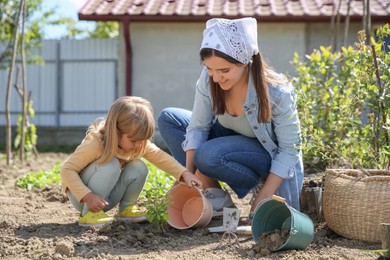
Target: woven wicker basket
(355,202)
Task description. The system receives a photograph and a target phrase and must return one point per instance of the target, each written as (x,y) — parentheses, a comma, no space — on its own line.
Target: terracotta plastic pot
(188,207)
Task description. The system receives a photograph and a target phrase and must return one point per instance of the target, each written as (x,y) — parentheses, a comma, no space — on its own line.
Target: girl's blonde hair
(127,115)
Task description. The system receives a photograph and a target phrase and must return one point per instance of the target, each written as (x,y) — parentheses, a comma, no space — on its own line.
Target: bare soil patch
(42,224)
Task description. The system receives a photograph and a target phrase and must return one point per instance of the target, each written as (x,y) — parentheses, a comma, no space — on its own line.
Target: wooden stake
(8,133)
(311,201)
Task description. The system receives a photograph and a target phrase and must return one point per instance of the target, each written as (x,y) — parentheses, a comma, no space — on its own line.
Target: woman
(244,128)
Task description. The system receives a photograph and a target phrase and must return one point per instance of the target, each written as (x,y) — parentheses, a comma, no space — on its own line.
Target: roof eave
(204,18)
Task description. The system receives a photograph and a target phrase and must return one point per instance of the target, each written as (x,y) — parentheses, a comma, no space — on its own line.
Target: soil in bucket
(274,214)
(270,241)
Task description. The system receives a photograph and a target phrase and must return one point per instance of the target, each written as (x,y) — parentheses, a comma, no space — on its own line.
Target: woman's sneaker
(132,214)
(98,219)
(219,198)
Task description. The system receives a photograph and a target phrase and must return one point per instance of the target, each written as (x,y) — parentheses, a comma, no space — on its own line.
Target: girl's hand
(189,178)
(94,202)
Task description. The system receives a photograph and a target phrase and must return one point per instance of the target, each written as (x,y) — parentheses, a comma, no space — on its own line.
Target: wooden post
(385,235)
(311,201)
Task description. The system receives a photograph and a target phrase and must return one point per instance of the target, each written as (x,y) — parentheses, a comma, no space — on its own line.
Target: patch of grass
(156,178)
(40,179)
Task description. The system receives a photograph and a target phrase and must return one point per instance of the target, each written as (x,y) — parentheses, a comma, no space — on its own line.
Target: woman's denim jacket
(280,137)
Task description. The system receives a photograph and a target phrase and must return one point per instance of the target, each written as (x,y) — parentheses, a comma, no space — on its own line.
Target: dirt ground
(42,224)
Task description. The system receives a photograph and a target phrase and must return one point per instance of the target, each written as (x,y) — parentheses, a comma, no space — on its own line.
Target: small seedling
(157,205)
(155,194)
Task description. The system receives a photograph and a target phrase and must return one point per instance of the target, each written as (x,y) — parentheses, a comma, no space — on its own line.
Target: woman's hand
(189,178)
(94,202)
(262,195)
(269,188)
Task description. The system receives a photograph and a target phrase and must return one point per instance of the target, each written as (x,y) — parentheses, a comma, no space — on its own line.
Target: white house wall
(166,62)
(279,41)
(319,34)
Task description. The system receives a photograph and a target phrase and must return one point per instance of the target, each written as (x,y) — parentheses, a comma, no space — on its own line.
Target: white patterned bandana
(236,38)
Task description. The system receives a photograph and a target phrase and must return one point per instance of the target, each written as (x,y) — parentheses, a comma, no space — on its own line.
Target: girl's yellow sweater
(90,150)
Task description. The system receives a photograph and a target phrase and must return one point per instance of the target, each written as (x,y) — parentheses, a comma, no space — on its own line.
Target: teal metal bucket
(274,213)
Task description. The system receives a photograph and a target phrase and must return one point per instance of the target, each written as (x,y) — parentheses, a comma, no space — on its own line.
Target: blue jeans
(237,160)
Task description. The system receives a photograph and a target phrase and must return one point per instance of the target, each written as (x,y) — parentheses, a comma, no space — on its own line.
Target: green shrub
(40,179)
(344,105)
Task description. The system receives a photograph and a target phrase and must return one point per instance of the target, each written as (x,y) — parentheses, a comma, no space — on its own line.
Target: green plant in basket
(344,104)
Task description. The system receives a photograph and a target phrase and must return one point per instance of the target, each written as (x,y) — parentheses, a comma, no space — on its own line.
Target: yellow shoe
(98,219)
(133,214)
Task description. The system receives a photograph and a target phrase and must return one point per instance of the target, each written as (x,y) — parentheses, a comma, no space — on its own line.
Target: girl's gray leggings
(113,184)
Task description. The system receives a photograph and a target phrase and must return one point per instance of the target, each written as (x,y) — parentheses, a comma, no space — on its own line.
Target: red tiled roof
(201,10)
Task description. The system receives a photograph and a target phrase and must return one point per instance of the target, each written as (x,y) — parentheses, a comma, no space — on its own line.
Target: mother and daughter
(243,131)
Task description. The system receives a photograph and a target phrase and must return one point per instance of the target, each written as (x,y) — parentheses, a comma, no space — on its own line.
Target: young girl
(105,169)
(244,128)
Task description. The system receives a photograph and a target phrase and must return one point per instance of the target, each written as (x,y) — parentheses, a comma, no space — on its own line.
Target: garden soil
(42,224)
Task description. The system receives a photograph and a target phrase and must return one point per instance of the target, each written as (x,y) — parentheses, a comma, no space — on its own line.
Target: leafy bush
(344,105)
(156,178)
(40,179)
